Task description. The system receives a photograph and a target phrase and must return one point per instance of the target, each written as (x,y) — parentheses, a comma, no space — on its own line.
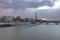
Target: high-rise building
(35,16)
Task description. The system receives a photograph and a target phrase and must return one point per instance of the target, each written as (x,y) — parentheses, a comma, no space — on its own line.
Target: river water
(27,32)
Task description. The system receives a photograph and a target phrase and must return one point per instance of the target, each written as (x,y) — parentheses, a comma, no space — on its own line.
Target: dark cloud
(51,14)
(22,4)
(19,7)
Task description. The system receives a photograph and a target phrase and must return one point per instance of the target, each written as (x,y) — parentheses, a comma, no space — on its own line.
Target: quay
(37,22)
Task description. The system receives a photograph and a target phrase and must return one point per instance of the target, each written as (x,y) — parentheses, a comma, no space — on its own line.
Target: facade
(6,18)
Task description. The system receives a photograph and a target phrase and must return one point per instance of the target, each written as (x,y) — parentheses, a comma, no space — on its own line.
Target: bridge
(47,21)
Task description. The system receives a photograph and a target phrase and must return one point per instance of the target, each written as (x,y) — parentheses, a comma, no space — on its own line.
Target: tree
(18,18)
(26,19)
(14,19)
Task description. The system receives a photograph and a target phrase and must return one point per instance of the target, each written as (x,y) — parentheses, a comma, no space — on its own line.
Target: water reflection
(39,32)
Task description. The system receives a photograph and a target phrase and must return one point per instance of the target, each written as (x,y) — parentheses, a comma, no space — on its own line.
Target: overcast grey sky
(27,8)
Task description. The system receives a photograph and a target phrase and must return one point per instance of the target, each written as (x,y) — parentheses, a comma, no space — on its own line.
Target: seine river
(29,32)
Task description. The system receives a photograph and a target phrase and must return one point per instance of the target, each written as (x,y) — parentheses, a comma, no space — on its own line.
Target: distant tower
(35,16)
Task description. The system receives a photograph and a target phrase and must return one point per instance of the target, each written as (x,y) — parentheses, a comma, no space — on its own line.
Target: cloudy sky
(27,8)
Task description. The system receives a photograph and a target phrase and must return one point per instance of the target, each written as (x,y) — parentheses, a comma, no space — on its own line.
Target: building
(6,18)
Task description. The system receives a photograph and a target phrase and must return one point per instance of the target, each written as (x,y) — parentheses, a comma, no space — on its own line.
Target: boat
(6,24)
